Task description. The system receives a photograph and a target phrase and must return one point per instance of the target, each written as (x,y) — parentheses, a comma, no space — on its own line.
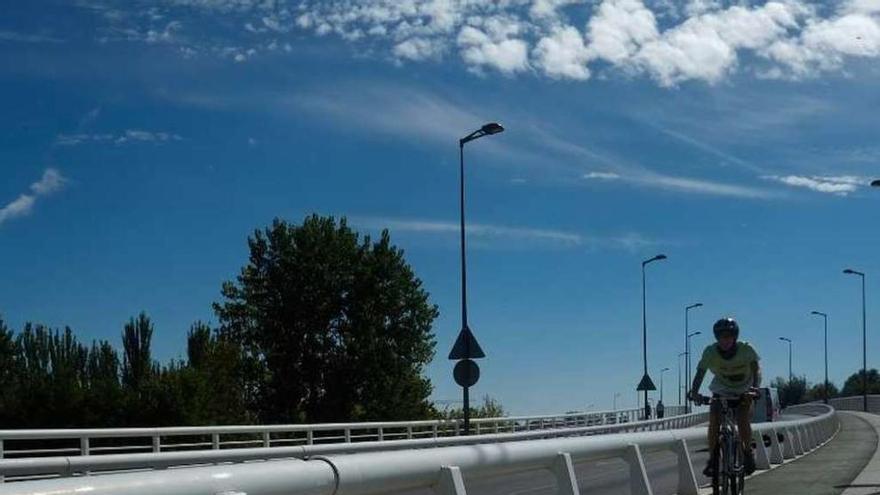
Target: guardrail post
(409,432)
(563,469)
(450,482)
(215,441)
(776,456)
(434,430)
(267,439)
(638,475)
(310,437)
(787,444)
(84,446)
(808,438)
(348,434)
(1,457)
(687,482)
(795,436)
(762,458)
(157,443)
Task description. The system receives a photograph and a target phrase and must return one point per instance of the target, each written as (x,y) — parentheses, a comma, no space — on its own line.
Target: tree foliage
(321,325)
(334,327)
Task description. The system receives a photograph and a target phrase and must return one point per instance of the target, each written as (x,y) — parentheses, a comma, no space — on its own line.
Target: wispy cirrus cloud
(841,185)
(507,237)
(127,136)
(16,37)
(685,185)
(51,182)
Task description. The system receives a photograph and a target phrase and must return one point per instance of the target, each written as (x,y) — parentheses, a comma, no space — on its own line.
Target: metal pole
(645,341)
(687,357)
(826,358)
(679,375)
(864,351)
(464,320)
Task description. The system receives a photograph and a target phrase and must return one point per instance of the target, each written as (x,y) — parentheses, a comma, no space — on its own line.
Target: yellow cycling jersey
(734,375)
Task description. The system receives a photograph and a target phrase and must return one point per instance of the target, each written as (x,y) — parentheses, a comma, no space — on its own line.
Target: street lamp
(646,384)
(825,317)
(616,395)
(664,370)
(849,271)
(680,355)
(466,346)
(785,339)
(688,362)
(686,348)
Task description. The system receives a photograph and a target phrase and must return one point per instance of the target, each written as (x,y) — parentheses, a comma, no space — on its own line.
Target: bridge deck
(827,471)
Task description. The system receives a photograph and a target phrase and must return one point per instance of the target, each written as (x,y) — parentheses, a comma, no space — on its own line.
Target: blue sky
(141,142)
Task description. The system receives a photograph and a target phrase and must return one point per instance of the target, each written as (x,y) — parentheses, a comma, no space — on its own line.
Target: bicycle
(728,472)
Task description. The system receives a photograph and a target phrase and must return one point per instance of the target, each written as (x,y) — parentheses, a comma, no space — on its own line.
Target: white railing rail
(444,469)
(13,469)
(93,441)
(856,403)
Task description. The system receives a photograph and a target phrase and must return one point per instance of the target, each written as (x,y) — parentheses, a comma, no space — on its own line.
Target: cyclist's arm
(756,374)
(698,381)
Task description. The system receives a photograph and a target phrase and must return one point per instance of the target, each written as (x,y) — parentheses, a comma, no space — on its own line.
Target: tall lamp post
(616,395)
(849,271)
(825,317)
(466,347)
(687,350)
(688,363)
(680,355)
(664,370)
(646,384)
(786,339)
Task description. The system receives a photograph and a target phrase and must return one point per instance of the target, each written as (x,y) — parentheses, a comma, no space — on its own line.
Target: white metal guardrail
(95,441)
(444,469)
(28,468)
(856,403)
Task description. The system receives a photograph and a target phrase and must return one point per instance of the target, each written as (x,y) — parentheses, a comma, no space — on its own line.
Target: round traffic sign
(466,373)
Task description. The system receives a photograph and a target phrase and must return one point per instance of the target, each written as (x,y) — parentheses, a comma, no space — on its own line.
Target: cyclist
(737,373)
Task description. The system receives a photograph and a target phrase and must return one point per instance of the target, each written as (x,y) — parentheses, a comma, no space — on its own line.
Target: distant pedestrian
(660,409)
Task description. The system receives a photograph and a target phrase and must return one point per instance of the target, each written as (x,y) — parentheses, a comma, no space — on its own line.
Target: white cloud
(715,38)
(51,182)
(479,49)
(27,38)
(684,184)
(601,176)
(518,237)
(127,136)
(563,54)
(838,185)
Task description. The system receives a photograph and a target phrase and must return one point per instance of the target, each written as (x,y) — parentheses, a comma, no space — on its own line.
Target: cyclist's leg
(744,424)
(714,425)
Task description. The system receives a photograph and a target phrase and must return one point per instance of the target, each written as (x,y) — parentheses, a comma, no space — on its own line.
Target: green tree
(853,385)
(817,392)
(333,327)
(137,363)
(792,391)
(490,408)
(10,391)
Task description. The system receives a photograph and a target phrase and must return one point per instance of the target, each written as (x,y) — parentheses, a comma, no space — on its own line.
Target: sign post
(466,372)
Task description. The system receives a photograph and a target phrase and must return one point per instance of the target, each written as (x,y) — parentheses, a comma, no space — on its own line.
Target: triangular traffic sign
(466,346)
(646,384)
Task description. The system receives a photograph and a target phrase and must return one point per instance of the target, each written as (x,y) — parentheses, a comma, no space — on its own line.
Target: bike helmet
(726,325)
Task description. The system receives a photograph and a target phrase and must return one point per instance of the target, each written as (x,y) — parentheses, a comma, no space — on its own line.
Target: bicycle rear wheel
(719,480)
(738,474)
